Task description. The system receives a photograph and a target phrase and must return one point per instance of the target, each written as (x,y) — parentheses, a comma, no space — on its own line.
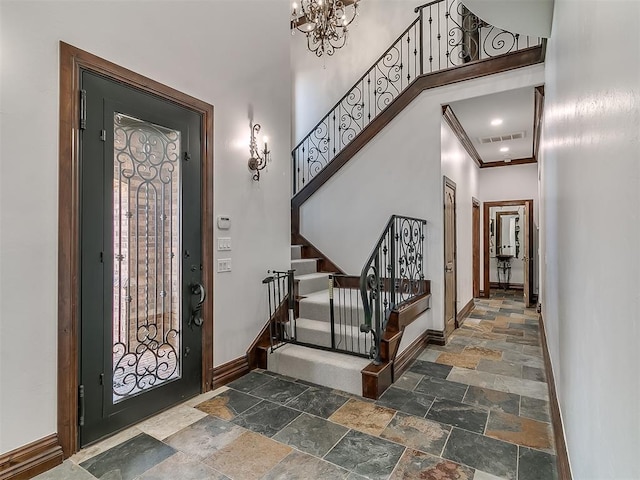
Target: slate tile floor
(475,409)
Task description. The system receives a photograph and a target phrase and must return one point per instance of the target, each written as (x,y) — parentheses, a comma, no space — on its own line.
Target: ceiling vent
(501,138)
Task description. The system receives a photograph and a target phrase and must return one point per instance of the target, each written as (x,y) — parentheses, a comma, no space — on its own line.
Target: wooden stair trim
(522,58)
(256,356)
(377,378)
(310,251)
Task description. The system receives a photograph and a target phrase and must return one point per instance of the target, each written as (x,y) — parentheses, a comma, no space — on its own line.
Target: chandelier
(324,22)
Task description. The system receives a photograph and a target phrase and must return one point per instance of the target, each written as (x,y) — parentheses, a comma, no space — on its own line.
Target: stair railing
(280,297)
(392,275)
(445,35)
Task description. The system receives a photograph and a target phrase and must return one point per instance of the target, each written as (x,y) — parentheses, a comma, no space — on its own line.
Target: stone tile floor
(475,409)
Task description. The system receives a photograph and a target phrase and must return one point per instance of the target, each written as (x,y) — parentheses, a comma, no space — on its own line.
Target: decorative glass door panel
(146,244)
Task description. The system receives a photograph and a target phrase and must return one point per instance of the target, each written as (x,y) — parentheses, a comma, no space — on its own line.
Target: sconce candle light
(259,158)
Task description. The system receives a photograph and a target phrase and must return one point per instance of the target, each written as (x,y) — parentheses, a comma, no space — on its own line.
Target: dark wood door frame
(448,182)
(475,245)
(485,236)
(72,62)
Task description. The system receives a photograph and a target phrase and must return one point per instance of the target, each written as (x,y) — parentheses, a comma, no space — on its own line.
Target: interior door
(141,290)
(449,256)
(526,259)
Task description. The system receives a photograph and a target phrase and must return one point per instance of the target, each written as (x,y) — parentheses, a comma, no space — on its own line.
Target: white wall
(458,166)
(590,187)
(399,171)
(320,82)
(512,182)
(194,46)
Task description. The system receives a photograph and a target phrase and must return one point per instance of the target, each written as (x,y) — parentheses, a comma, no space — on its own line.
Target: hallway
(474,409)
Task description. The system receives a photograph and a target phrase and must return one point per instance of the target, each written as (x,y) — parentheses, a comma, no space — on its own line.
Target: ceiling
(516,110)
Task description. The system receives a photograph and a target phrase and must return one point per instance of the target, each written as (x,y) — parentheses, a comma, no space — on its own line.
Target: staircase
(313,327)
(344,331)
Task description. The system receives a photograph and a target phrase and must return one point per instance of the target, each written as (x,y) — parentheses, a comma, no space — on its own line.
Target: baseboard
(228,372)
(564,467)
(512,286)
(409,354)
(464,313)
(32,459)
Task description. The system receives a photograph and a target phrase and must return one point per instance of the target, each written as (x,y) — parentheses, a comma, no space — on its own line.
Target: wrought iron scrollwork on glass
(146,294)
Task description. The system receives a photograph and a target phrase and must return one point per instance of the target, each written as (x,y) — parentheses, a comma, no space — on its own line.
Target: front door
(449,256)
(141,289)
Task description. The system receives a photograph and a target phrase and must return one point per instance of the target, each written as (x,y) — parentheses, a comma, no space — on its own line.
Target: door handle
(196,312)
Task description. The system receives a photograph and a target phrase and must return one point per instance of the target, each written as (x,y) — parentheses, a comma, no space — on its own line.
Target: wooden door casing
(475,246)
(450,320)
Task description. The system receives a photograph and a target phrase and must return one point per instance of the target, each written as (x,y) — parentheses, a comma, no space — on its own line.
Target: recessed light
(496,121)
(504,149)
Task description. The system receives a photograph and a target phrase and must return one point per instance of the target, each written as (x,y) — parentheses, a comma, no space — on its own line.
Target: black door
(140,256)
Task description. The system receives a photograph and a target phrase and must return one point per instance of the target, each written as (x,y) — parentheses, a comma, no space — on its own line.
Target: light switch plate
(224,244)
(224,265)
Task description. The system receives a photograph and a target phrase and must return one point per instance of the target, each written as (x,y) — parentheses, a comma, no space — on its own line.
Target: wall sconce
(259,158)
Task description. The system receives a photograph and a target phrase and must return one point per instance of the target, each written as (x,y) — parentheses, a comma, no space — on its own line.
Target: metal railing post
(421,41)
(378,326)
(333,324)
(392,280)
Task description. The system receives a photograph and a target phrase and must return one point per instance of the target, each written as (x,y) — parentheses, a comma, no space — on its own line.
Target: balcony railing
(445,35)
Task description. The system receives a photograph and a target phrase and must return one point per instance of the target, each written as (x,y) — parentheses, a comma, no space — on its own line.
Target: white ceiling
(514,107)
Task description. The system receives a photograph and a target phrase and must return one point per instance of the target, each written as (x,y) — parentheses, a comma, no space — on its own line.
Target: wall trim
(409,354)
(538,110)
(512,286)
(309,250)
(31,459)
(465,311)
(72,61)
(516,161)
(461,134)
(228,372)
(562,456)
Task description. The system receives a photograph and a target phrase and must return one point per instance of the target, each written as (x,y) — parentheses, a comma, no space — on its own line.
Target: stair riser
(332,376)
(304,267)
(310,285)
(296,252)
(349,341)
(322,312)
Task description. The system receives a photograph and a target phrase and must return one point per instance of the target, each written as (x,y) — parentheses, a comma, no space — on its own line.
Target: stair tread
(304,260)
(310,276)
